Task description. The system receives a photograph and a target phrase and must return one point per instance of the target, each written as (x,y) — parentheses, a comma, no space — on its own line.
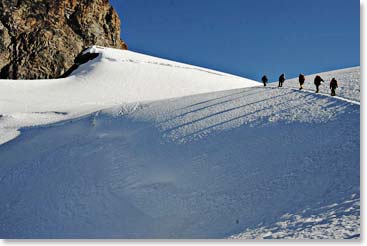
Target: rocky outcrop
(41,38)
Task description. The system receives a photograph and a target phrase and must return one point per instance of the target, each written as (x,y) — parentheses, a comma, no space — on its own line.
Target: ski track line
(326,95)
(322,94)
(136,106)
(206,70)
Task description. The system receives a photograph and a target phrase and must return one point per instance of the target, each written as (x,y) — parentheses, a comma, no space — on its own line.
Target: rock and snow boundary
(154,160)
(113,78)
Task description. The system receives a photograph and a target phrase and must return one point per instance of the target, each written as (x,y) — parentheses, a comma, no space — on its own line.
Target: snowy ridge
(348,81)
(113,78)
(254,162)
(233,162)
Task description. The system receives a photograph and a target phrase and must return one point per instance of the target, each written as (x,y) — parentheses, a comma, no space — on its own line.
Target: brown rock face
(40,39)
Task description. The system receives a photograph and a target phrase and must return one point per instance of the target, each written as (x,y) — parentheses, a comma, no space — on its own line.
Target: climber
(281,80)
(317,82)
(264,79)
(333,86)
(301,79)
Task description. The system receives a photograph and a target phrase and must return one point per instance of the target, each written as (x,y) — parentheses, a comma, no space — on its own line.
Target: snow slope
(348,82)
(252,163)
(113,78)
(242,163)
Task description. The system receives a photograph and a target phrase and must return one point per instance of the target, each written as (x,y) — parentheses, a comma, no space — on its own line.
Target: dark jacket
(333,84)
(318,80)
(264,79)
(301,78)
(282,78)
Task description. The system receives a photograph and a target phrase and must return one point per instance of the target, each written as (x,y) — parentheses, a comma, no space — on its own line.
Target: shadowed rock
(40,39)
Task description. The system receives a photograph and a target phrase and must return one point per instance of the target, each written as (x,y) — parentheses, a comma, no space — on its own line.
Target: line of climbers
(301,78)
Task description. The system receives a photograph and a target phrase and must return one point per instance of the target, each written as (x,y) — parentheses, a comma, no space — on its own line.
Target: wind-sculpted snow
(253,107)
(113,78)
(333,221)
(180,66)
(100,154)
(254,163)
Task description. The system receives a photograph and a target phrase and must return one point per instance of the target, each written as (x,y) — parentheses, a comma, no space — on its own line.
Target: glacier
(132,146)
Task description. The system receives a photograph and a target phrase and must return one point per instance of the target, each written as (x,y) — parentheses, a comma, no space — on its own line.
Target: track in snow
(203,166)
(327,95)
(249,163)
(348,81)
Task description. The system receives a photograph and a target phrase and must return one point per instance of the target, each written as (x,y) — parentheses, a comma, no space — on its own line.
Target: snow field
(132,146)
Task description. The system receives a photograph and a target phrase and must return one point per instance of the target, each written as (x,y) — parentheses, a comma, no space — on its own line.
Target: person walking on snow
(317,82)
(281,80)
(333,86)
(301,79)
(264,79)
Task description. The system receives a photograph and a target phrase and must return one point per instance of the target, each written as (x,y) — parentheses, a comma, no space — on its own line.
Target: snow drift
(113,78)
(252,162)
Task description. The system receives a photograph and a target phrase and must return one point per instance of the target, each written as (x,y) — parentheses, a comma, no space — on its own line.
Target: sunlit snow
(132,146)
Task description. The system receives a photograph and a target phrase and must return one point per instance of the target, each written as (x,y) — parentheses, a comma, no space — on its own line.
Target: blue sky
(246,37)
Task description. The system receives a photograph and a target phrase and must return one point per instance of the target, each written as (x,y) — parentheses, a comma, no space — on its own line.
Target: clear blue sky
(246,37)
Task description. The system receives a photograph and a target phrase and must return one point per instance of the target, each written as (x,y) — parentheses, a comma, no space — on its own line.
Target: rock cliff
(40,39)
